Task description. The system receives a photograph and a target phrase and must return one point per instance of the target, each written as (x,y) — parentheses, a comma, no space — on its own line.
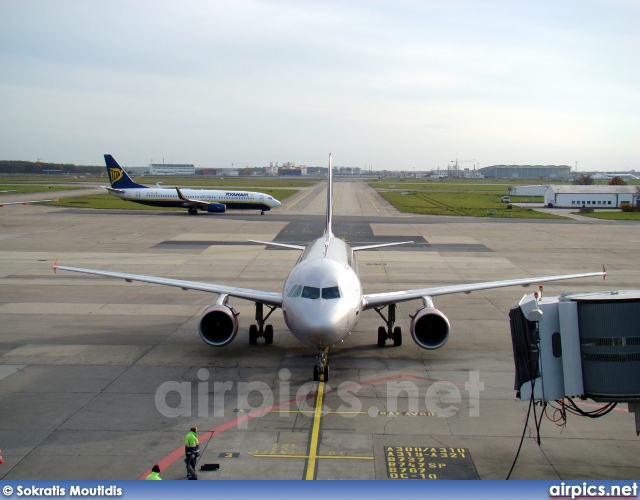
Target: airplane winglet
(604,273)
(180,195)
(55,266)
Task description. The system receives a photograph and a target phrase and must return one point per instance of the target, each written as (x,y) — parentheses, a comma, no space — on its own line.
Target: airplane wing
(2,204)
(383,299)
(191,203)
(269,298)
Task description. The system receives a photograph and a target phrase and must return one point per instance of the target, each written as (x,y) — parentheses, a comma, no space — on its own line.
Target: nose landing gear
(321,370)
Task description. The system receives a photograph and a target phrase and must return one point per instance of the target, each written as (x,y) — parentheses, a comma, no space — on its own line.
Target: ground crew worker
(155,474)
(192,452)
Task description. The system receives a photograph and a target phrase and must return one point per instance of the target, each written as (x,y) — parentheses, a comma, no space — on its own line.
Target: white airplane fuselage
(165,197)
(322,296)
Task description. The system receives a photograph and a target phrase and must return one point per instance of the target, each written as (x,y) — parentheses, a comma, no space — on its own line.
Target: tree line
(38,167)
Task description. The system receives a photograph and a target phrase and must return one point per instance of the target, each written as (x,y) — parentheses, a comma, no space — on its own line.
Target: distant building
(287,168)
(171,169)
(570,196)
(467,173)
(557,172)
(610,175)
(535,190)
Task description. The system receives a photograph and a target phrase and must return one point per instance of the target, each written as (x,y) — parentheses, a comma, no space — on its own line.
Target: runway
(101,379)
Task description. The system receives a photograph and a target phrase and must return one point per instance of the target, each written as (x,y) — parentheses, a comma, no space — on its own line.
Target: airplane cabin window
(310,292)
(331,293)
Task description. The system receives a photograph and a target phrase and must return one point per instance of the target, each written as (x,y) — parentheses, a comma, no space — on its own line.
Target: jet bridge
(578,345)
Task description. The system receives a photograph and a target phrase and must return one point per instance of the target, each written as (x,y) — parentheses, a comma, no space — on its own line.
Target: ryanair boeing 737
(193,199)
(322,299)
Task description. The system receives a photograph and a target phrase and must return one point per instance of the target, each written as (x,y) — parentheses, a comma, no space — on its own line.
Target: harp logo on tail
(115,174)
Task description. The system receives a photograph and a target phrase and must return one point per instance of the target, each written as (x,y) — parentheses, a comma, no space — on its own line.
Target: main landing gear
(260,330)
(193,211)
(322,368)
(389,332)
(262,213)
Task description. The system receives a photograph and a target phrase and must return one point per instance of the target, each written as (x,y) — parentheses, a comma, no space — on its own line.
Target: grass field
(464,185)
(253,183)
(22,189)
(107,201)
(612,215)
(477,198)
(443,185)
(470,204)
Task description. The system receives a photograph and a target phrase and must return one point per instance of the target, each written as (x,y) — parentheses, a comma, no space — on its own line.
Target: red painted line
(178,453)
(600,406)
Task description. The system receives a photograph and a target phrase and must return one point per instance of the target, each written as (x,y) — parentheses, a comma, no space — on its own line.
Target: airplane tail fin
(328,229)
(118,177)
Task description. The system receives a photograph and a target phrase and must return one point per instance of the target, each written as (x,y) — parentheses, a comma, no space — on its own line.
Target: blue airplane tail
(118,177)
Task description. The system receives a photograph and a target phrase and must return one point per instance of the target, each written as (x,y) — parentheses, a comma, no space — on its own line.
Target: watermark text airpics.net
(441,398)
(586,490)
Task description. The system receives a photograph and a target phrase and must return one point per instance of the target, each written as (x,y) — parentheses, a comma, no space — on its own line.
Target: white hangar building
(570,196)
(535,190)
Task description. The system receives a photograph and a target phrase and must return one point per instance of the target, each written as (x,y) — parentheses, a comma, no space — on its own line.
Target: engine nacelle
(430,328)
(216,208)
(218,325)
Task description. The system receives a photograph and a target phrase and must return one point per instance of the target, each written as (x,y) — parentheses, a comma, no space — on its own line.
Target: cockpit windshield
(312,292)
(331,293)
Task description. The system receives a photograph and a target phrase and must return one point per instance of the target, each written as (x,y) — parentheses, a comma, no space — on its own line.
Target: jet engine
(218,325)
(216,208)
(430,328)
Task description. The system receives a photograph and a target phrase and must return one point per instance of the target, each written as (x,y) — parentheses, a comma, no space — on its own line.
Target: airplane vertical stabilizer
(328,230)
(118,177)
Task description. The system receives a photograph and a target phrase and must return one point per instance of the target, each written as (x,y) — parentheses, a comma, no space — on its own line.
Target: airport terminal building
(570,196)
(557,172)
(171,169)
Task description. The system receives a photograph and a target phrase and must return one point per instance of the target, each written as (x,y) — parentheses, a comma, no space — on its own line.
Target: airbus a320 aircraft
(322,299)
(194,199)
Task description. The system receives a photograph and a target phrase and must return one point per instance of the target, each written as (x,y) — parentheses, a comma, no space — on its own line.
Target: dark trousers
(191,459)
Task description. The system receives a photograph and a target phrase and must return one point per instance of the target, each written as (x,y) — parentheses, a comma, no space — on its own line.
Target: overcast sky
(396,84)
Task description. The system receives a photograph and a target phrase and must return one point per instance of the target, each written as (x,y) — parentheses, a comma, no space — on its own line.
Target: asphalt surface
(101,379)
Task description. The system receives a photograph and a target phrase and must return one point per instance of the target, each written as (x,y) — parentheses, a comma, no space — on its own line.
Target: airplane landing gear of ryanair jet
(262,213)
(322,368)
(261,330)
(389,332)
(193,211)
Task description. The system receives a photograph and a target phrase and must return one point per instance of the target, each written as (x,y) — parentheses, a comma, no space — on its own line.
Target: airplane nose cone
(318,326)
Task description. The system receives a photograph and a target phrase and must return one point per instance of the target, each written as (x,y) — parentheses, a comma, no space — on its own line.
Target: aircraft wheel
(325,373)
(397,336)
(316,373)
(253,334)
(268,334)
(382,336)
(193,211)
(262,213)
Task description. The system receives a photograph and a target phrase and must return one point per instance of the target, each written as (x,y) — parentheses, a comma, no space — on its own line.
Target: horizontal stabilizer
(283,245)
(379,245)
